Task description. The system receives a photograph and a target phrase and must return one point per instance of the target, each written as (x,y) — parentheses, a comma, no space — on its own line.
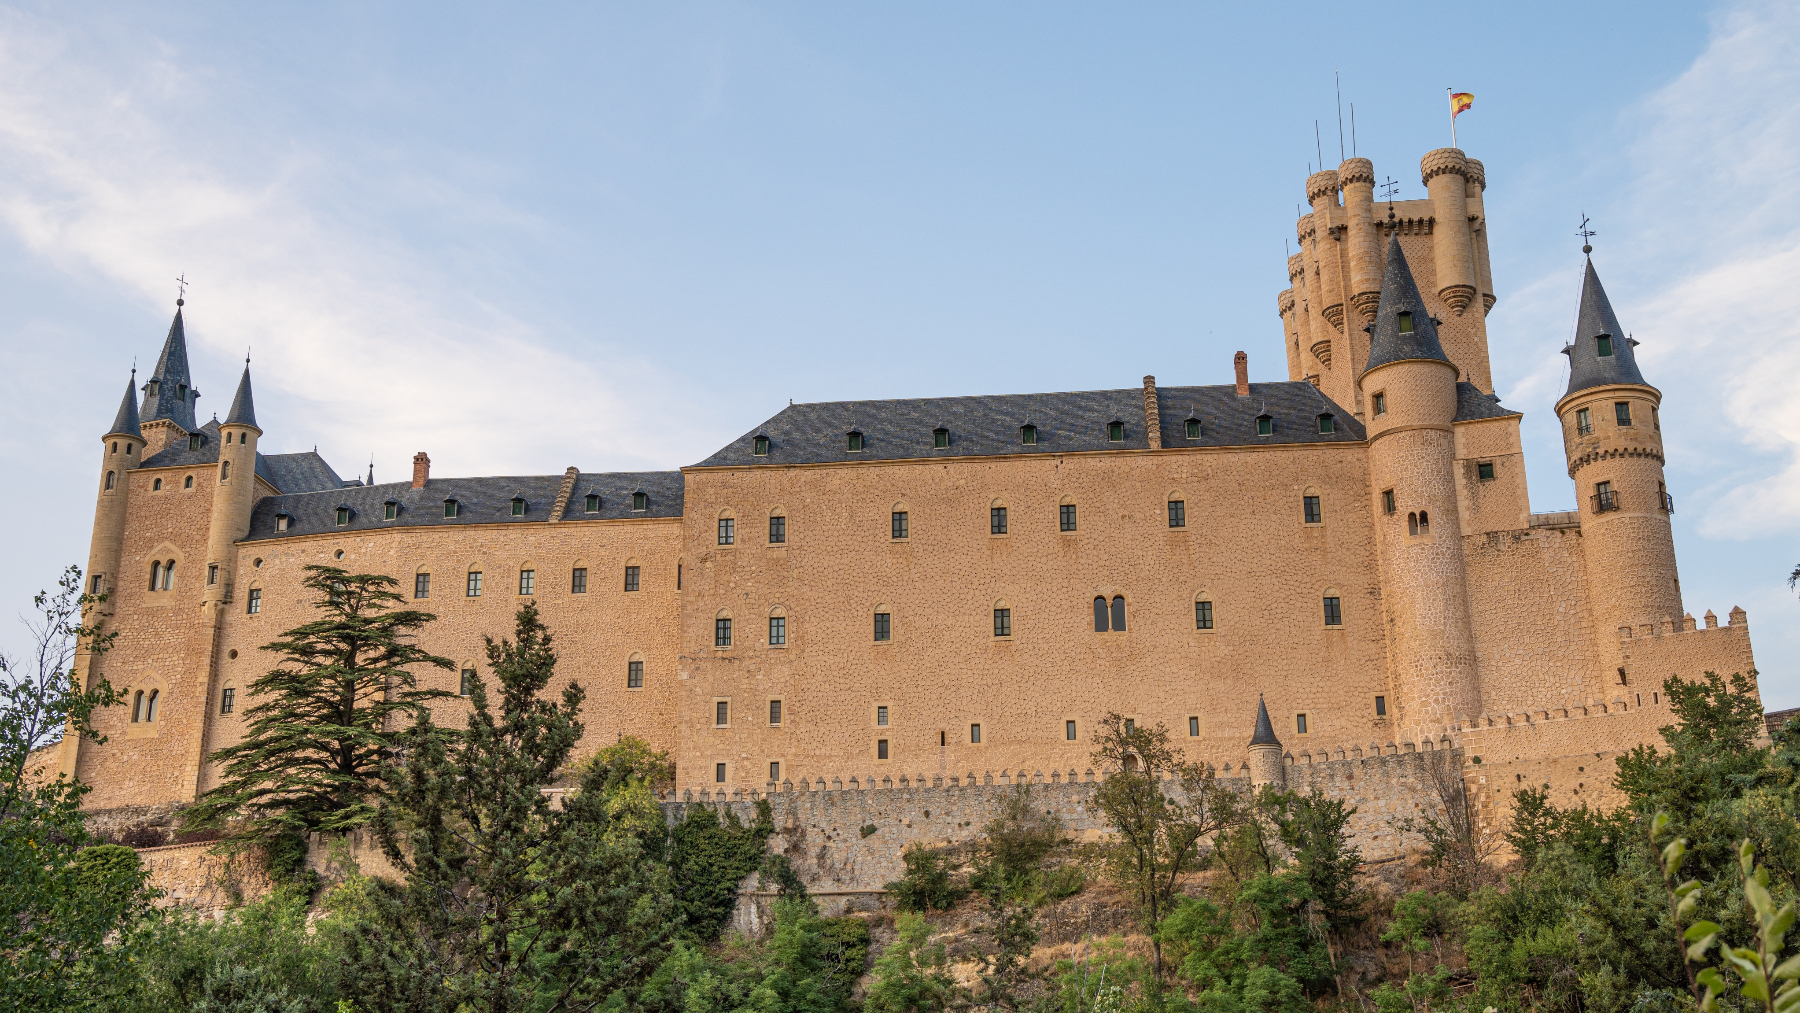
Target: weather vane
(181,293)
(1388,190)
(1586,234)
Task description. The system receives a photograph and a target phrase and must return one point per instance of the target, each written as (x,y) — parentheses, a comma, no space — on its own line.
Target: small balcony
(1604,501)
(1668,502)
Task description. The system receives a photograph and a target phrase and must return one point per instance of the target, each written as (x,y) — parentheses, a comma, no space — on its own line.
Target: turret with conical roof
(1266,763)
(169,393)
(243,406)
(125,423)
(1612,439)
(1409,390)
(236,493)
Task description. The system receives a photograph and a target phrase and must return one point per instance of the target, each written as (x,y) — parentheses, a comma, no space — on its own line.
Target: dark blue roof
(291,473)
(1066,423)
(243,406)
(125,423)
(170,392)
(1265,731)
(1472,403)
(1400,294)
(479,501)
(1587,367)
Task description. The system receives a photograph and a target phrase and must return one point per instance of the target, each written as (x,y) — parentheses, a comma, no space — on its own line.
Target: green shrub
(927,884)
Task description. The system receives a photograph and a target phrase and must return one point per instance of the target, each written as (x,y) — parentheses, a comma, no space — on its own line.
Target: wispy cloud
(368,338)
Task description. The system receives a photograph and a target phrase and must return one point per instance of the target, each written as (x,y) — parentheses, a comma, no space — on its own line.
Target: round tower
(1445,174)
(1322,194)
(1266,766)
(1357,177)
(1612,438)
(1409,393)
(236,492)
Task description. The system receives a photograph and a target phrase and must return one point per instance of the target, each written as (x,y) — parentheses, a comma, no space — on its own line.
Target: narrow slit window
(1100,623)
(1118,613)
(1177,513)
(1068,731)
(1193,726)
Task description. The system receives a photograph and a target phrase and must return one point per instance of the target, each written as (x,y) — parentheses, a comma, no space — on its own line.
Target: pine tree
(325,721)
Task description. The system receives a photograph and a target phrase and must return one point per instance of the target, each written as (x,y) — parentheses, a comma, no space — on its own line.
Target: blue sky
(618,236)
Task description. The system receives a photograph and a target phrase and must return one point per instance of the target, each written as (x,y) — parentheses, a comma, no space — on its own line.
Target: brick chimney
(1152,416)
(422,467)
(1242,362)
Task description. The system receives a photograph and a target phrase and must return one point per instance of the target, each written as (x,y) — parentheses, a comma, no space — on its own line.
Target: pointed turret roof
(170,394)
(126,422)
(1587,367)
(1400,294)
(243,409)
(1265,732)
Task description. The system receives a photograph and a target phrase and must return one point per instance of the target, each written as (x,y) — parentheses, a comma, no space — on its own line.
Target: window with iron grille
(578,580)
(1066,514)
(527,581)
(1484,471)
(777,530)
(254,605)
(884,626)
(719,773)
(1203,615)
(777,631)
(631,578)
(1334,613)
(727,531)
(1584,423)
(774,712)
(227,700)
(997,520)
(721,713)
(1003,622)
(881,717)
(1605,499)
(421,585)
(1177,513)
(634,675)
(899,524)
(474,588)
(1622,412)
(881,749)
(1309,505)
(721,633)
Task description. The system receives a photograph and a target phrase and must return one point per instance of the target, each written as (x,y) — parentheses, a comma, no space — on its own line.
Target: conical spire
(1587,366)
(1403,327)
(170,394)
(1265,732)
(243,409)
(126,422)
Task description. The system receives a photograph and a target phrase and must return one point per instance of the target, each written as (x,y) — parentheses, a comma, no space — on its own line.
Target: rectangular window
(760,446)
(1193,726)
(1028,435)
(881,717)
(1130,726)
(677,576)
(96,584)
(1265,426)
(1387,501)
(1485,471)
(1603,345)
(1193,429)
(227,700)
(254,605)
(777,631)
(777,530)
(631,578)
(421,585)
(640,501)
(899,524)
(718,773)
(1327,424)
(1655,422)
(1115,431)
(1381,706)
(727,531)
(1177,513)
(1381,404)
(721,633)
(1203,619)
(855,441)
(390,511)
(281,522)
(1584,423)
(1003,622)
(449,508)
(774,770)
(1310,505)
(884,627)
(721,713)
(474,589)
(997,520)
(578,580)
(1405,323)
(774,712)
(940,438)
(1622,412)
(212,573)
(1334,615)
(1067,516)
(975,734)
(1300,723)
(518,508)
(592,505)
(881,749)
(468,682)
(634,675)
(527,581)
(1069,731)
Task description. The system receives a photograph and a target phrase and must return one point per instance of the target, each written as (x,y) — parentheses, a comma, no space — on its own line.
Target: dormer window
(1327,424)
(1406,324)
(281,522)
(1115,431)
(640,501)
(1265,425)
(940,438)
(518,506)
(855,440)
(1193,429)
(451,507)
(343,516)
(390,510)
(592,505)
(181,392)
(193,441)
(760,446)
(1028,435)
(1603,345)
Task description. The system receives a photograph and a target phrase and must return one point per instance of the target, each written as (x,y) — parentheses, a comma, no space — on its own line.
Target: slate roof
(1587,367)
(1400,294)
(1473,403)
(125,423)
(1265,732)
(163,394)
(479,501)
(243,407)
(1072,422)
(291,473)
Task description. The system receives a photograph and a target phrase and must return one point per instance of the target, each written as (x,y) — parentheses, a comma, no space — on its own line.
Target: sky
(524,237)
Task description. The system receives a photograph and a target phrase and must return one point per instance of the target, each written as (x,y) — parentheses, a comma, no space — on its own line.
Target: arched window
(156,485)
(137,706)
(467,685)
(150,705)
(1118,613)
(1309,506)
(1003,618)
(156,576)
(1424,523)
(224,471)
(634,672)
(188,483)
(1100,624)
(778,627)
(1412,524)
(109,481)
(168,575)
(1066,514)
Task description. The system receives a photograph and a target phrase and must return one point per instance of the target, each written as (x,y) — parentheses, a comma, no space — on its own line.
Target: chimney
(422,468)
(1242,362)
(1152,418)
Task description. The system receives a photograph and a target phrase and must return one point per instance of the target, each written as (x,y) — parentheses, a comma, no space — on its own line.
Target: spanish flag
(1460,101)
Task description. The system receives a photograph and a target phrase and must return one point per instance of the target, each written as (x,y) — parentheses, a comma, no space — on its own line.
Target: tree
(509,903)
(911,976)
(61,898)
(322,729)
(1159,831)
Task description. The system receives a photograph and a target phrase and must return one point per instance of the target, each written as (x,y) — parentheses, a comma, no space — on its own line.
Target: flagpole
(1447,97)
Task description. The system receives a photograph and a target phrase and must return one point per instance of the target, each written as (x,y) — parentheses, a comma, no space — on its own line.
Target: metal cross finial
(1586,234)
(1388,190)
(181,292)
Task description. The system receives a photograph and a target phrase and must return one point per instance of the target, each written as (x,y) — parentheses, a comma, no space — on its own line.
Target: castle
(939,588)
